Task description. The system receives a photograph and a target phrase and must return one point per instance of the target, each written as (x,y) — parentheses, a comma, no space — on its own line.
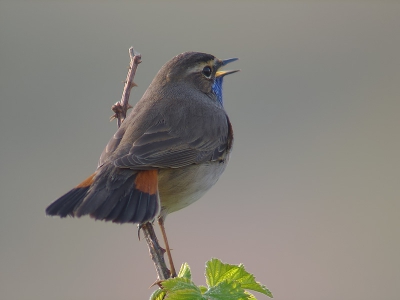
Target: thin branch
(120,108)
(156,252)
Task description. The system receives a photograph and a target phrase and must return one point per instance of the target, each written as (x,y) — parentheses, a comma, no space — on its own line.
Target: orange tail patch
(87,182)
(146,181)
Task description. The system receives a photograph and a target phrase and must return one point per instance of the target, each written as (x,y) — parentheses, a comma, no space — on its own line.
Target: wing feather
(160,147)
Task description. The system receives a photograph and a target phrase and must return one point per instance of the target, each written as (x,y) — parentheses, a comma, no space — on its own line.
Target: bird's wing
(162,146)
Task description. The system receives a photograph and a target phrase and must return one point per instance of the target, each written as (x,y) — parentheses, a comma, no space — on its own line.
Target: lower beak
(223,73)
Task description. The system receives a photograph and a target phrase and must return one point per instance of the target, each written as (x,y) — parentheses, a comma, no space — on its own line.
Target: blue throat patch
(217,89)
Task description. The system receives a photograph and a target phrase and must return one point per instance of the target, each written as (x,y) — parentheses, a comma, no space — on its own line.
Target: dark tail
(112,194)
(65,205)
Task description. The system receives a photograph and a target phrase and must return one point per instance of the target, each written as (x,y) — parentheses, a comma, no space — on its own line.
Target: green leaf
(184,272)
(225,282)
(226,290)
(180,288)
(157,295)
(216,272)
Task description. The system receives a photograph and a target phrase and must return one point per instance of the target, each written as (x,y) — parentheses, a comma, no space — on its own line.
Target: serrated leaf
(248,281)
(158,295)
(214,268)
(185,272)
(226,290)
(216,272)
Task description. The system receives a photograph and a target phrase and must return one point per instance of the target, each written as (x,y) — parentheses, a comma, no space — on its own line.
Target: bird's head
(200,70)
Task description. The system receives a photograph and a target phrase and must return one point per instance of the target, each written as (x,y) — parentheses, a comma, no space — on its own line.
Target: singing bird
(168,152)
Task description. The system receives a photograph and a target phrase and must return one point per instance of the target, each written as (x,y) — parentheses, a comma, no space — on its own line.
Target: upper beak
(225,62)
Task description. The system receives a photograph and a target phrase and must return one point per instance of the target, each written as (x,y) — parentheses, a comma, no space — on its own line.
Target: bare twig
(120,108)
(156,252)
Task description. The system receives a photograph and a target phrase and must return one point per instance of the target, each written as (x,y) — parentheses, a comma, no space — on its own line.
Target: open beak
(225,62)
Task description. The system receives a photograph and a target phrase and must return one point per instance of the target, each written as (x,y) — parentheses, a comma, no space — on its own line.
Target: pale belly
(181,187)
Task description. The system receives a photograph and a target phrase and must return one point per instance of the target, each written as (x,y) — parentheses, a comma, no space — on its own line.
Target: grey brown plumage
(168,152)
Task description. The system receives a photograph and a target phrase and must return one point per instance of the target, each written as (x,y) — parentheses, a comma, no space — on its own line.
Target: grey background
(310,200)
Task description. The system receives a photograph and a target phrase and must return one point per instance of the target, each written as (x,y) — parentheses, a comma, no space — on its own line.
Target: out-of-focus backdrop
(310,200)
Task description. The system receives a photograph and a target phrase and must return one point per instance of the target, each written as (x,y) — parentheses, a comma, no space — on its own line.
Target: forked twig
(120,108)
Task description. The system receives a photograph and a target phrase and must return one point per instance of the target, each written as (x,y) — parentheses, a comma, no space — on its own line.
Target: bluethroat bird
(169,151)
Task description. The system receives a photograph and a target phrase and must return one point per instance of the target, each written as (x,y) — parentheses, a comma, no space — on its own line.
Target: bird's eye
(207,71)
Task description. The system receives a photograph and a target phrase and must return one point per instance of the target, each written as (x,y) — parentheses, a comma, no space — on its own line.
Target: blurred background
(310,200)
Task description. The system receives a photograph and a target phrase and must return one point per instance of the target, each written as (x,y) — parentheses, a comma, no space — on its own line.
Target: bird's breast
(181,187)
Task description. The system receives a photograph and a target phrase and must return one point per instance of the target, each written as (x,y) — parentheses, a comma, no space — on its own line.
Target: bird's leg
(171,263)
